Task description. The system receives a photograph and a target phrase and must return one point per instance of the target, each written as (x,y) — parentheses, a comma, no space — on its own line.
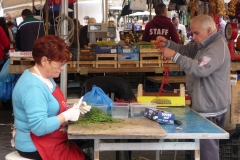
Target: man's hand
(162,40)
(168,53)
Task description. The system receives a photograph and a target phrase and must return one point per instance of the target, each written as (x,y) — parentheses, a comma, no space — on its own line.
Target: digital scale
(231,33)
(100,30)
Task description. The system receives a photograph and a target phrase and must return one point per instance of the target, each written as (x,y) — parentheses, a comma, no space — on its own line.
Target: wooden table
(19,69)
(171,79)
(193,127)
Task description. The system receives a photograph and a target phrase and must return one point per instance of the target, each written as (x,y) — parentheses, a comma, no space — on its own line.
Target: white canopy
(15,7)
(142,13)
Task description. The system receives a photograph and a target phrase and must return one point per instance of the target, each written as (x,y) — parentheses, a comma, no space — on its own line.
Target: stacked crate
(149,55)
(19,61)
(128,56)
(230,150)
(87,58)
(106,56)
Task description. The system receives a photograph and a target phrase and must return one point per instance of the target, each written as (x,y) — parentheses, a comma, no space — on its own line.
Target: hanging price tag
(113,50)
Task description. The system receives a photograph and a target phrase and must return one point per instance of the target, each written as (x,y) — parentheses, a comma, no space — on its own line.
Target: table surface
(127,128)
(193,126)
(19,69)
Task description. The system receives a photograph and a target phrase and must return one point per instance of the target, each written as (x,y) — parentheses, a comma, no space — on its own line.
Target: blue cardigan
(35,110)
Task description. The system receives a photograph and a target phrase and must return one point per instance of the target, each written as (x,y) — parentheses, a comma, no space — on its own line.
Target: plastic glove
(72,114)
(84,108)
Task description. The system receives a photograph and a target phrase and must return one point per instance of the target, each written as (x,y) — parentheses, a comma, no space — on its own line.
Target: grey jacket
(208,64)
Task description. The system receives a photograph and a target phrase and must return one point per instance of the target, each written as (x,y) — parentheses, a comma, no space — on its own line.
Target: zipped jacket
(27,32)
(208,64)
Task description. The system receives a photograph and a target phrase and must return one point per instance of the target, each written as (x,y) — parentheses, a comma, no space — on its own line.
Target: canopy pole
(46,16)
(150,16)
(64,32)
(33,10)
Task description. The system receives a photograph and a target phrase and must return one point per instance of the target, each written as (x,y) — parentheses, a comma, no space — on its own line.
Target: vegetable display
(106,43)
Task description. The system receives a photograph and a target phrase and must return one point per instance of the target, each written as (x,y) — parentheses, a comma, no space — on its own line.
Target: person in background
(5,46)
(28,31)
(84,40)
(77,28)
(222,26)
(86,18)
(75,39)
(10,25)
(181,29)
(40,109)
(14,27)
(4,26)
(160,25)
(207,60)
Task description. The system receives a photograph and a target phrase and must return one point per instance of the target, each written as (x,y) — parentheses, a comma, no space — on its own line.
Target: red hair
(52,47)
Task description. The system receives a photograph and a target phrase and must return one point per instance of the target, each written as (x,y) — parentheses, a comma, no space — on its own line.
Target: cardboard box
(12,53)
(159,116)
(233,79)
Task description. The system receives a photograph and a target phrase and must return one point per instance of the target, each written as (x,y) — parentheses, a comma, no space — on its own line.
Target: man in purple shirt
(160,25)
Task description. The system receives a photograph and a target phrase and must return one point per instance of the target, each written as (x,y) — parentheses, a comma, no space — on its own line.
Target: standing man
(161,25)
(86,18)
(207,60)
(181,29)
(28,31)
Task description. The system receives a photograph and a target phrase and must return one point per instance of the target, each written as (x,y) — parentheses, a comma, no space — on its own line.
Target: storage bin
(137,109)
(102,107)
(105,49)
(129,49)
(119,110)
(128,56)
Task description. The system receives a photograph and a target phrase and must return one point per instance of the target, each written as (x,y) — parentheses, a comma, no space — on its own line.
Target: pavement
(6,121)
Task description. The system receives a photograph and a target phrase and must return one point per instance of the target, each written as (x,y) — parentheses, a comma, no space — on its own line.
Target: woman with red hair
(40,109)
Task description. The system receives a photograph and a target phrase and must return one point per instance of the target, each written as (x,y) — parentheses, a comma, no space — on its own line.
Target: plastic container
(119,110)
(102,107)
(137,109)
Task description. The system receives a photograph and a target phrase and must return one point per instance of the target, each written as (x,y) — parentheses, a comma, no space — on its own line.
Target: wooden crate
(150,60)
(106,60)
(84,64)
(128,64)
(22,61)
(18,69)
(235,107)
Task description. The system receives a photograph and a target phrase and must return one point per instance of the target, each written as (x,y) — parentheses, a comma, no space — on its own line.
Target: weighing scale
(231,33)
(100,30)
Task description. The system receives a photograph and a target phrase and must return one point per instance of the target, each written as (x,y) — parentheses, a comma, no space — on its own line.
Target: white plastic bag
(138,5)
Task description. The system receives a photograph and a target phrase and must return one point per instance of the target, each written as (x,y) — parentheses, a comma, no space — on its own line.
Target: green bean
(96,116)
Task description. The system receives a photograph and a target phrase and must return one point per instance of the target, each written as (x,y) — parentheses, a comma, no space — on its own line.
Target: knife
(79,102)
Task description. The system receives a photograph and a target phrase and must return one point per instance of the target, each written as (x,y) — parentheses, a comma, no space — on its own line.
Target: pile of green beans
(96,116)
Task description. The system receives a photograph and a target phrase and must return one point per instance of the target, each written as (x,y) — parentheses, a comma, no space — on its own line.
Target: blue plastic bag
(7,77)
(6,89)
(97,96)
